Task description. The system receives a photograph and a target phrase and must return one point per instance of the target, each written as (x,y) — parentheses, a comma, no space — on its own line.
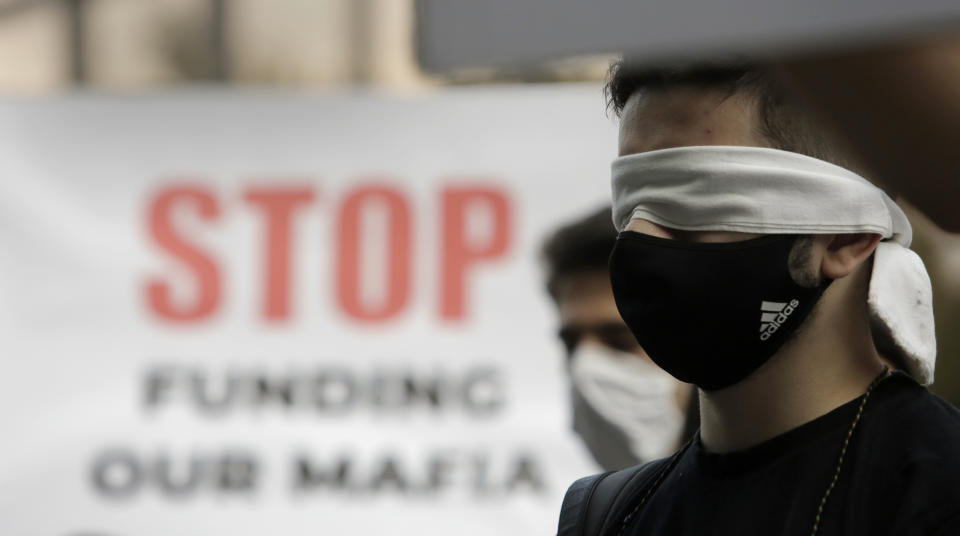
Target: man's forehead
(586,284)
(686,116)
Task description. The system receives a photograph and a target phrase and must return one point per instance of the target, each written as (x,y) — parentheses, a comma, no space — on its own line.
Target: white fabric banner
(259,313)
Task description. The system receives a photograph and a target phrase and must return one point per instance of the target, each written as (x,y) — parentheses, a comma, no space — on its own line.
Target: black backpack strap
(631,484)
(576,503)
(636,486)
(589,501)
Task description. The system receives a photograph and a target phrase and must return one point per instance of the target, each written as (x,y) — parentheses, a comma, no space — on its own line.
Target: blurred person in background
(739,212)
(625,408)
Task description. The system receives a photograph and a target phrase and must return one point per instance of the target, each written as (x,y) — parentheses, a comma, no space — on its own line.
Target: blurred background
(263,271)
(119,46)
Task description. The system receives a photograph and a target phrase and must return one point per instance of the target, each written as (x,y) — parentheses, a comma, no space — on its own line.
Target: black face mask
(709,313)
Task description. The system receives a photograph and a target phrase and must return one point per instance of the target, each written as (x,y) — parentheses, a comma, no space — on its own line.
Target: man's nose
(647,227)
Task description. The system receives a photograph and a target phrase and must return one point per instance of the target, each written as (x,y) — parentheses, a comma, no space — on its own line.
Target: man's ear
(845,252)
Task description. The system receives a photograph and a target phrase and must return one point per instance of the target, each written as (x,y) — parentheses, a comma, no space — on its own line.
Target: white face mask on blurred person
(624,407)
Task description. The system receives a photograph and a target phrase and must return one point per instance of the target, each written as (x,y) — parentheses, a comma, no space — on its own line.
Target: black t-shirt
(900,476)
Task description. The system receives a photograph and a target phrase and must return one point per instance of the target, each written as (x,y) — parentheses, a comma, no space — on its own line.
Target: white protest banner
(260,313)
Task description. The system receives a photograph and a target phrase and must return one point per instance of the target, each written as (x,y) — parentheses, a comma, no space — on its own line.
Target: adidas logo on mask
(773,315)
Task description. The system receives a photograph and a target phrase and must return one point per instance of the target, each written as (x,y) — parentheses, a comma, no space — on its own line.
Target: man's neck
(831,363)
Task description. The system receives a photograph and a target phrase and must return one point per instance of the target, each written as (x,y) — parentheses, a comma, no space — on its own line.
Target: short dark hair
(581,246)
(784,123)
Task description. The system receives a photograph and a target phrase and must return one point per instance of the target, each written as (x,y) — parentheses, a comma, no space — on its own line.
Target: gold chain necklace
(843,450)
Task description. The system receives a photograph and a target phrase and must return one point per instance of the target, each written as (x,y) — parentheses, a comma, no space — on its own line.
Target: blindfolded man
(753,263)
